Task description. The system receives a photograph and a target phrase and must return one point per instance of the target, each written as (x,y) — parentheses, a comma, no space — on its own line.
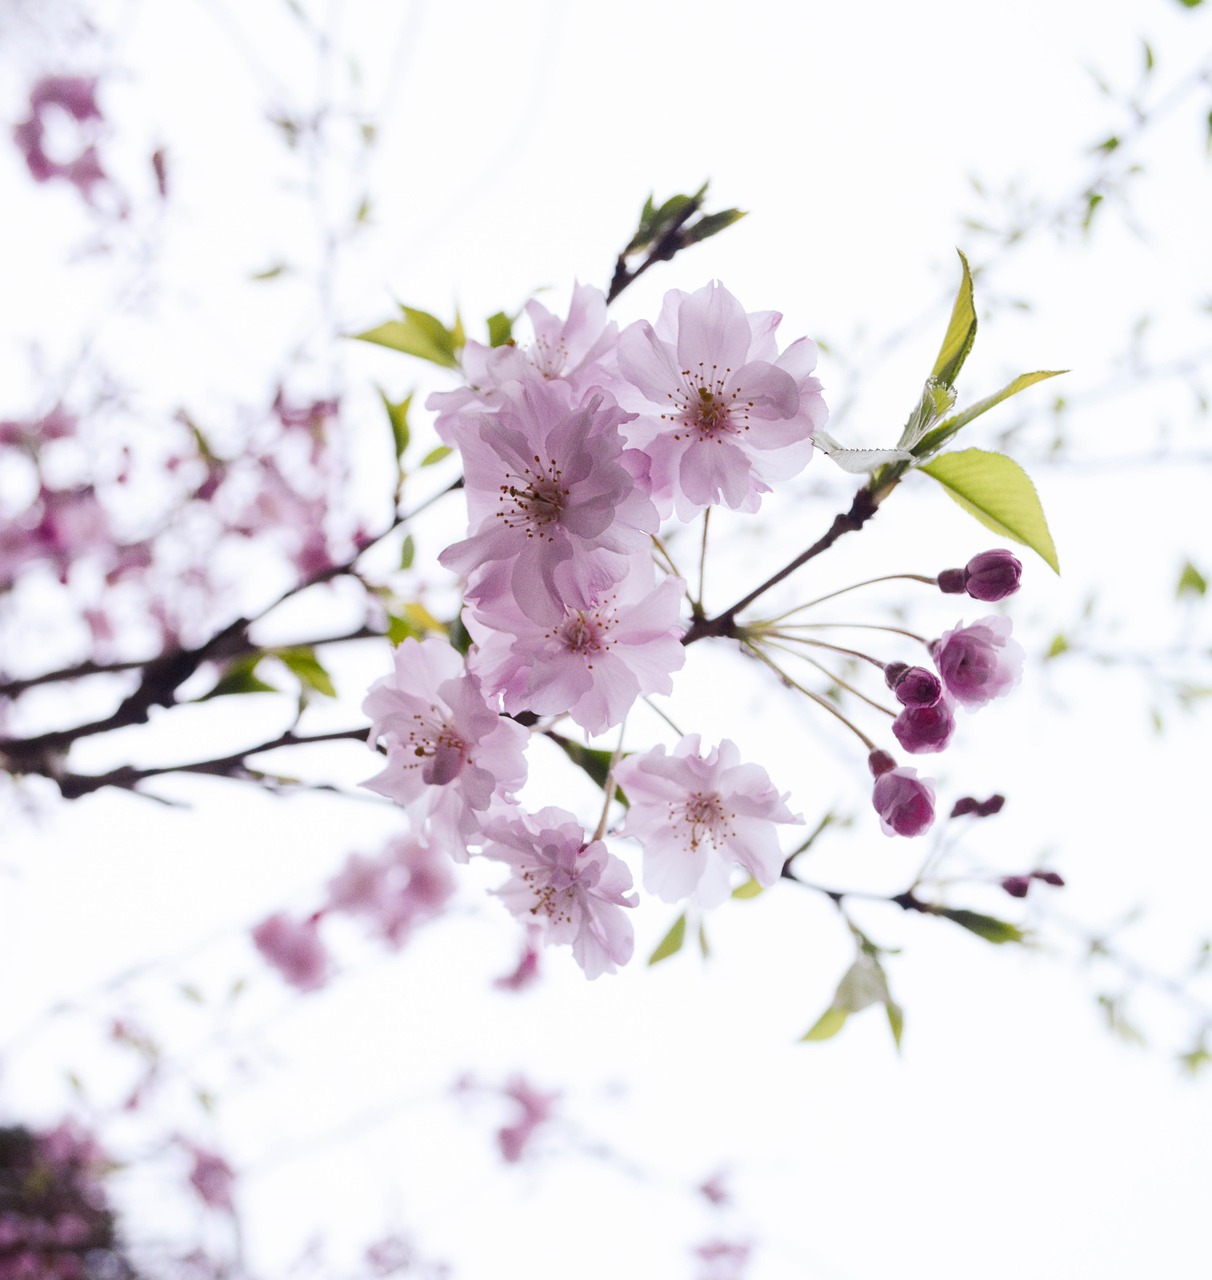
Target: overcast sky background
(515,147)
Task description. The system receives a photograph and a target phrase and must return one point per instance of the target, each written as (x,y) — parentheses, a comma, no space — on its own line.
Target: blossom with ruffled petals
(555,503)
(576,890)
(721,412)
(294,948)
(904,801)
(448,752)
(979,662)
(595,661)
(696,815)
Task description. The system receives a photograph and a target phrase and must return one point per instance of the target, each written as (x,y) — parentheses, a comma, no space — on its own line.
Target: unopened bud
(880,762)
(914,686)
(993,575)
(1017,886)
(1049,877)
(951,581)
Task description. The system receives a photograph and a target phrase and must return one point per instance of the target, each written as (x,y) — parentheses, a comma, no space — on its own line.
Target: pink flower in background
(556,507)
(212,1178)
(408,884)
(979,662)
(721,412)
(448,752)
(536,1108)
(697,815)
(526,971)
(575,890)
(294,949)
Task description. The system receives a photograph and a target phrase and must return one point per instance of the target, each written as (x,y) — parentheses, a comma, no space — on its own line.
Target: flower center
(706,407)
(704,816)
(442,751)
(535,499)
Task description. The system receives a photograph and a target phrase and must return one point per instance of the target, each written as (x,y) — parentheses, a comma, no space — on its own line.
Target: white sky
(517,144)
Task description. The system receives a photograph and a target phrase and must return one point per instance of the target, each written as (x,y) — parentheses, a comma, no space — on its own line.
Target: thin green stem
(888,577)
(815,697)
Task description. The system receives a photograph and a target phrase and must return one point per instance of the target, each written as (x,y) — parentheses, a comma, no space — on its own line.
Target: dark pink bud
(987,808)
(1049,877)
(951,581)
(904,802)
(993,575)
(1017,886)
(977,808)
(913,686)
(880,762)
(921,730)
(964,806)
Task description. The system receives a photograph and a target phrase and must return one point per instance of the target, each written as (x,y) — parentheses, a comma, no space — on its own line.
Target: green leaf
(704,949)
(594,761)
(270,273)
(896,1019)
(988,927)
(240,677)
(827,1025)
(397,414)
(418,334)
(671,943)
(937,399)
(961,332)
(1058,646)
(750,889)
(998,492)
(934,440)
(1191,582)
(711,224)
(408,549)
(500,329)
(436,455)
(307,669)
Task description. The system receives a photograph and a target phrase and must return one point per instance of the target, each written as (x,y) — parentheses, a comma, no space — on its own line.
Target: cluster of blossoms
(55,1223)
(392,894)
(575,448)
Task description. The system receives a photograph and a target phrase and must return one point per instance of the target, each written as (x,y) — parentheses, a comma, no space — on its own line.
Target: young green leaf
(998,492)
(827,1025)
(397,414)
(671,943)
(240,677)
(307,669)
(988,927)
(1191,582)
(961,332)
(933,440)
(418,334)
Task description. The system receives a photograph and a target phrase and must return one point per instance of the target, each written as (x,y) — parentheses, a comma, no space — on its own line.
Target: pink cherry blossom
(576,890)
(979,662)
(697,815)
(448,752)
(721,411)
(595,661)
(212,1178)
(555,505)
(578,350)
(408,884)
(536,1108)
(294,948)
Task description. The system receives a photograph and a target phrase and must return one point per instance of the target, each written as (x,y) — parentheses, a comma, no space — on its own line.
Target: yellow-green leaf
(961,332)
(934,440)
(671,943)
(999,493)
(418,334)
(750,889)
(827,1025)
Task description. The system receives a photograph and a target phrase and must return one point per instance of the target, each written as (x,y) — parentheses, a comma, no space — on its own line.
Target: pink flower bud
(913,686)
(880,762)
(921,730)
(993,575)
(1049,877)
(904,802)
(1017,886)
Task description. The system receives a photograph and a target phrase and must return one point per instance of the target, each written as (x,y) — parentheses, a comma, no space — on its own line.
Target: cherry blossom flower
(578,350)
(573,888)
(294,948)
(595,661)
(721,412)
(555,505)
(697,815)
(536,1108)
(212,1178)
(408,884)
(979,662)
(448,752)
